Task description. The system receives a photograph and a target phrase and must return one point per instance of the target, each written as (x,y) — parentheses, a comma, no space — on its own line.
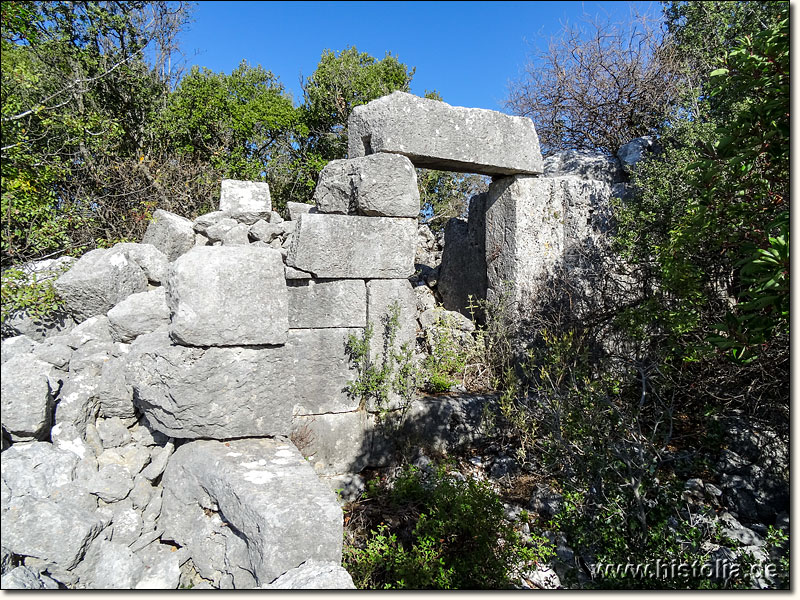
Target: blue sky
(467,51)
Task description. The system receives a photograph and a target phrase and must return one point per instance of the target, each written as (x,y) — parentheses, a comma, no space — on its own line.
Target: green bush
(26,293)
(454,535)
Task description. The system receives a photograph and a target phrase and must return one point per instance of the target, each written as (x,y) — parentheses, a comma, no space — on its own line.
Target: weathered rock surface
(244,196)
(378,185)
(26,398)
(435,135)
(327,303)
(138,314)
(314,575)
(221,296)
(170,233)
(462,276)
(19,344)
(631,153)
(315,352)
(98,281)
(153,262)
(584,164)
(335,443)
(216,392)
(216,495)
(383,295)
(346,247)
(299,208)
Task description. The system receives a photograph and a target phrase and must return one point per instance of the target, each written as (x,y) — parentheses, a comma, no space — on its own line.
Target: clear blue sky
(467,51)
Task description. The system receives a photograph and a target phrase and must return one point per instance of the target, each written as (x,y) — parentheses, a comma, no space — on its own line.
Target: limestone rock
(278,514)
(170,233)
(22,578)
(98,281)
(635,150)
(162,568)
(231,296)
(152,261)
(113,432)
(26,398)
(53,531)
(203,222)
(298,208)
(110,565)
(137,314)
(111,483)
(585,164)
(462,276)
(216,392)
(314,575)
(334,443)
(244,196)
(19,344)
(382,294)
(320,370)
(378,185)
(328,303)
(435,135)
(339,246)
(54,353)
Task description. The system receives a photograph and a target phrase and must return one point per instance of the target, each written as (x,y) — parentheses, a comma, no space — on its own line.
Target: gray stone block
(585,164)
(244,196)
(435,135)
(381,295)
(138,314)
(334,443)
(298,208)
(320,370)
(152,261)
(327,303)
(378,185)
(217,393)
(19,344)
(345,247)
(232,296)
(170,233)
(524,237)
(98,281)
(249,510)
(26,398)
(314,575)
(463,270)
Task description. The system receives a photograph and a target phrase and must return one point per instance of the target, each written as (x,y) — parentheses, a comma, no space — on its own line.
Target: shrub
(455,536)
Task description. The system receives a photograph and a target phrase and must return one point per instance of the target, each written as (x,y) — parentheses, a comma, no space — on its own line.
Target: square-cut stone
(435,135)
(244,197)
(347,247)
(327,303)
(228,296)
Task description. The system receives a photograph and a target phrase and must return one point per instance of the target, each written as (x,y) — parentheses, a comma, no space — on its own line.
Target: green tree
(77,94)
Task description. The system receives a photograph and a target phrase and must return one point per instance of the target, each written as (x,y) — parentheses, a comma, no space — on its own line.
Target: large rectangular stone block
(248,510)
(218,393)
(228,296)
(321,370)
(524,237)
(347,247)
(435,135)
(315,303)
(244,197)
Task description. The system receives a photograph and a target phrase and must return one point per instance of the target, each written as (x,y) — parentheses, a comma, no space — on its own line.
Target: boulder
(336,246)
(19,344)
(314,575)
(54,353)
(218,393)
(170,233)
(244,196)
(98,281)
(138,314)
(110,565)
(233,296)
(26,398)
(58,532)
(162,568)
(638,148)
(152,261)
(22,578)
(334,444)
(378,185)
(435,135)
(323,303)
(248,510)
